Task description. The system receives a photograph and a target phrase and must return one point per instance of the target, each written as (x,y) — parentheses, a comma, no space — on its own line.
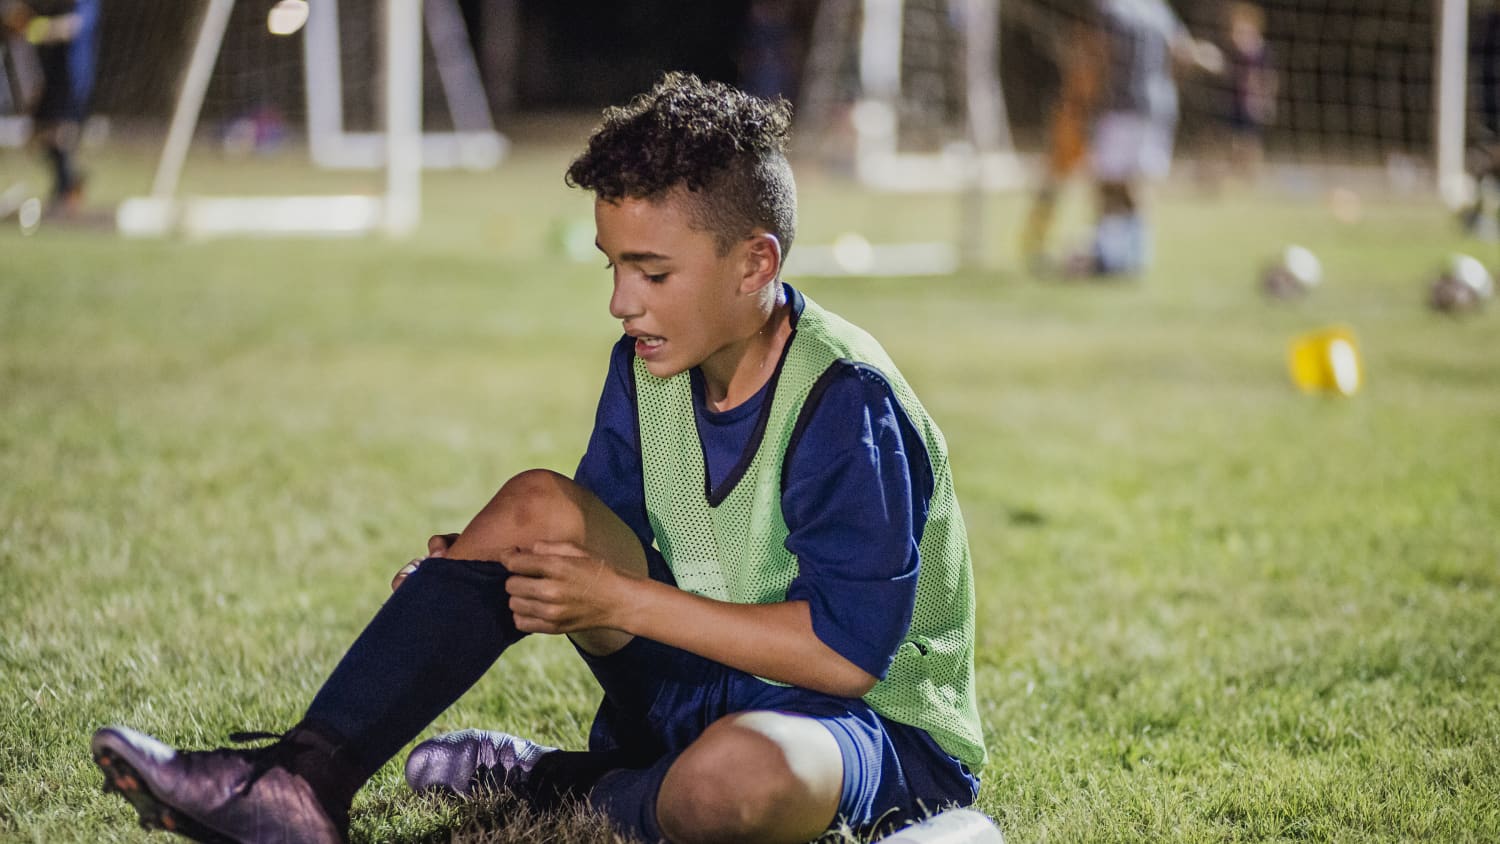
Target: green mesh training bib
(736,551)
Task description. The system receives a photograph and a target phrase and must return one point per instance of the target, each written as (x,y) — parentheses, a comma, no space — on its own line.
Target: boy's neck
(737,372)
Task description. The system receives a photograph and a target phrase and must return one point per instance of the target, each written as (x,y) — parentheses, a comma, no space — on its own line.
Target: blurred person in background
(1145,43)
(769,59)
(1077,54)
(65,34)
(1252,87)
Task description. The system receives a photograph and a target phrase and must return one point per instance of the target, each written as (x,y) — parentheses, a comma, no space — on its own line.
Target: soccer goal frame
(1454,185)
(402,150)
(978,159)
(985,159)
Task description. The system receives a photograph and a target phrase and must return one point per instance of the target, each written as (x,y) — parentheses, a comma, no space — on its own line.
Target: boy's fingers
(527,608)
(536,617)
(401,575)
(561,549)
(437,544)
(528,624)
(524,586)
(540,566)
(524,563)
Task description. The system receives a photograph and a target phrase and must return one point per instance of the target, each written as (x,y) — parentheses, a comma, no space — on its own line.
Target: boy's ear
(762,261)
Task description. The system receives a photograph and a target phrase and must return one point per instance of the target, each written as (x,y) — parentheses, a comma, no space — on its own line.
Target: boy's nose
(622,303)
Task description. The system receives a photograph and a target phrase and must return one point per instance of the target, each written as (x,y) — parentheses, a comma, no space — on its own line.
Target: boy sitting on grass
(760,557)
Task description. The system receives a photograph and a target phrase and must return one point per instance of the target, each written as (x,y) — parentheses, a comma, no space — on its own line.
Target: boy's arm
(563,590)
(855,503)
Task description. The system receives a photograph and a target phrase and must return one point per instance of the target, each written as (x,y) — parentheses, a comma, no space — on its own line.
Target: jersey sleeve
(611,467)
(855,495)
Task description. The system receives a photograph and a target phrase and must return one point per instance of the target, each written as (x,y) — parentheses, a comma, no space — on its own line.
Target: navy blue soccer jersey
(857,486)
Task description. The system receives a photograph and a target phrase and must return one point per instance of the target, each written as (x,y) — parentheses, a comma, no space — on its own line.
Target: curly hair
(726,147)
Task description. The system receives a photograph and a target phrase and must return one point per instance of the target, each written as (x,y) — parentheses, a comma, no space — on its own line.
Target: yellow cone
(1326,361)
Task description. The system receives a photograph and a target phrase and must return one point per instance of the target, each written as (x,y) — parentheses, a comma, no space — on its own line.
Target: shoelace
(278,755)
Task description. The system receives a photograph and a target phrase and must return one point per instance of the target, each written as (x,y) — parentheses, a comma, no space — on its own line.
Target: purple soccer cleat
(472,760)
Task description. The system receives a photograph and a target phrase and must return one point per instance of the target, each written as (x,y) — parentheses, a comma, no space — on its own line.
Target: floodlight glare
(287,17)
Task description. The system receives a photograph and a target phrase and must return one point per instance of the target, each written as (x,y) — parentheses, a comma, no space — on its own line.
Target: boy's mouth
(645,346)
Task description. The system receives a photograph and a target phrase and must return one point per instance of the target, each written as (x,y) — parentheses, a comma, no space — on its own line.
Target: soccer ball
(1293,274)
(1463,286)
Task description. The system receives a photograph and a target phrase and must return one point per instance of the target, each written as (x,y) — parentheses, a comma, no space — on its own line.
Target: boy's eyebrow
(636,257)
(640,257)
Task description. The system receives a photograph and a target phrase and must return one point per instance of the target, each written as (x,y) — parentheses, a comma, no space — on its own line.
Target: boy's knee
(723,792)
(532,498)
(535,505)
(528,497)
(739,783)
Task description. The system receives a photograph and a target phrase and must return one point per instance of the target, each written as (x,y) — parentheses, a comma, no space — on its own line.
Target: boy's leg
(787,772)
(539,505)
(448,622)
(709,753)
(726,745)
(757,776)
(436,635)
(754,777)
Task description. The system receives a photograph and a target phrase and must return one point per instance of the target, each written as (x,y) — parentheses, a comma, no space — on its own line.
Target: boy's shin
(432,640)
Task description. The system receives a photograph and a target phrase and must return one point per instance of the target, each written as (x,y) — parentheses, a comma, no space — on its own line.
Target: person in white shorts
(1135,124)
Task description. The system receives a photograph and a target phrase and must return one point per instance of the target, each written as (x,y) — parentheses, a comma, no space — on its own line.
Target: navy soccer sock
(433,639)
(628,798)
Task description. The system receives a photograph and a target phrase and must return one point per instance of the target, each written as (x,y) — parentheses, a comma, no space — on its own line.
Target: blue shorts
(659,699)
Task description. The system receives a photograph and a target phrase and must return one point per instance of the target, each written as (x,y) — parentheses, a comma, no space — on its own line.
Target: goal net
(907,94)
(352,79)
(1394,88)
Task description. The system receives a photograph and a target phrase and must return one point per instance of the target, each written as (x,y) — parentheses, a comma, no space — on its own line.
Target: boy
(762,497)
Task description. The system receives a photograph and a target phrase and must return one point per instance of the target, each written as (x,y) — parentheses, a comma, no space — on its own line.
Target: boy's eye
(654,278)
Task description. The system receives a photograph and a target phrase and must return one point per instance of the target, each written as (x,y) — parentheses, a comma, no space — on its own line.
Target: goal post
(908,92)
(473,144)
(978,149)
(1453,182)
(403,149)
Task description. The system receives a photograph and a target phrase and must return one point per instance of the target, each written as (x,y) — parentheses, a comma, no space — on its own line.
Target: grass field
(1211,608)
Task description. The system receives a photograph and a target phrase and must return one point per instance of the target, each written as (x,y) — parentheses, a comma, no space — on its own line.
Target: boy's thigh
(890,776)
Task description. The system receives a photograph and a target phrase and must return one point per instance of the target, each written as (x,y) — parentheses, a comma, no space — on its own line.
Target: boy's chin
(665,369)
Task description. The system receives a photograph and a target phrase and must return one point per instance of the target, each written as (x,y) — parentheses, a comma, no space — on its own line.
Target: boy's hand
(437,546)
(558,587)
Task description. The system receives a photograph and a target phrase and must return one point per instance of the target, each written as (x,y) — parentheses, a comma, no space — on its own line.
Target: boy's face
(673,292)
